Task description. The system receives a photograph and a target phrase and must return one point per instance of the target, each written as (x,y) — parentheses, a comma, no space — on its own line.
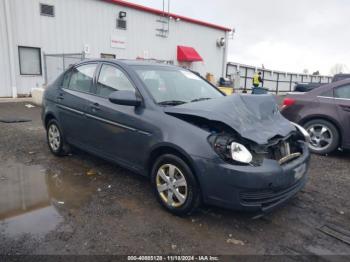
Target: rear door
(118,132)
(342,100)
(72,102)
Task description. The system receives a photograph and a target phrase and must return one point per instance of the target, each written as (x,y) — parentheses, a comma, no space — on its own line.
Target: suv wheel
(174,185)
(55,139)
(324,136)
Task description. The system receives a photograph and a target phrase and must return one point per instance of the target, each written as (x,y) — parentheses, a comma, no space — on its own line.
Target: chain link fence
(55,64)
(275,81)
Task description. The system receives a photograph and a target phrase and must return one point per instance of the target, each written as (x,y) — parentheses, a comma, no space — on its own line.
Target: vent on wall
(47,10)
(121,24)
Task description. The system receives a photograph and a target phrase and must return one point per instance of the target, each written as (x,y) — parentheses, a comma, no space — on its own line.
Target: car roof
(132,62)
(325,87)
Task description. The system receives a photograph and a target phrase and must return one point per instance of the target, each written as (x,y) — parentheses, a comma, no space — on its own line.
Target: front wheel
(324,136)
(174,185)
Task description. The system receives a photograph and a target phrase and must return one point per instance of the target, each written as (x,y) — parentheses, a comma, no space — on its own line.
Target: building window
(108,56)
(29,60)
(47,10)
(121,24)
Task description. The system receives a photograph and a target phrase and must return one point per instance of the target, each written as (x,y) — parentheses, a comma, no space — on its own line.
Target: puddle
(33,198)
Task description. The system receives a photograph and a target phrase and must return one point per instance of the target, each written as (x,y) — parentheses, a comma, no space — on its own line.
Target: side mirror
(124,97)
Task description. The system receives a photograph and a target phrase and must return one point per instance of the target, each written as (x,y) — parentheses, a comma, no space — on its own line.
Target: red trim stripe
(159,12)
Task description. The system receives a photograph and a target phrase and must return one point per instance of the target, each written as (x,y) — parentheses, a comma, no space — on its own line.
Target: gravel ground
(80,204)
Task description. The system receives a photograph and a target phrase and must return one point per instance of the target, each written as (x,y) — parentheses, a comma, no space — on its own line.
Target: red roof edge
(160,12)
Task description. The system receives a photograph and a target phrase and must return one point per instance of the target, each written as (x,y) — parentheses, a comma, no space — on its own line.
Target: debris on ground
(173,247)
(109,186)
(60,202)
(91,172)
(99,190)
(341,212)
(337,232)
(234,241)
(31,152)
(29,105)
(10,120)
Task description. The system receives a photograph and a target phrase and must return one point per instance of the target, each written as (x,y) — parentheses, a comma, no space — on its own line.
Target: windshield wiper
(200,99)
(172,103)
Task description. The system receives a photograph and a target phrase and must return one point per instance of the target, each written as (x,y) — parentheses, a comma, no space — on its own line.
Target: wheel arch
(166,148)
(48,116)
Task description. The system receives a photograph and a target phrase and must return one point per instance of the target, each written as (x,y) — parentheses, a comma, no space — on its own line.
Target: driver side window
(112,79)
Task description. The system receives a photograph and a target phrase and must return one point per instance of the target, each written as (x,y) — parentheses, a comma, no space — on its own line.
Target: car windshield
(176,86)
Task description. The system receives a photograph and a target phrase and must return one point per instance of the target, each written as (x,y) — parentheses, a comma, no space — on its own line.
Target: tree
(339,69)
(306,71)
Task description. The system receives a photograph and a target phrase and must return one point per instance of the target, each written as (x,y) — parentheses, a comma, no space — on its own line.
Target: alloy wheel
(54,137)
(171,185)
(321,137)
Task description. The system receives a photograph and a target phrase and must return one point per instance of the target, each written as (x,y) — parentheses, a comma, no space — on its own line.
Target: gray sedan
(194,143)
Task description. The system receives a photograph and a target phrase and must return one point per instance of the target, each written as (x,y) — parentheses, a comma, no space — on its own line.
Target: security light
(122,14)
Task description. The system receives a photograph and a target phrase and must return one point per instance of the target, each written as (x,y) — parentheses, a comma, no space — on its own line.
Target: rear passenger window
(342,92)
(112,79)
(66,78)
(328,93)
(82,78)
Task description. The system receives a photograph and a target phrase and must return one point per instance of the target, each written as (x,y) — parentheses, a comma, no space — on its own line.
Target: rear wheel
(174,185)
(324,136)
(55,139)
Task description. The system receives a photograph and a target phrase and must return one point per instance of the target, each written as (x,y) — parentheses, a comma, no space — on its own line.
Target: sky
(286,35)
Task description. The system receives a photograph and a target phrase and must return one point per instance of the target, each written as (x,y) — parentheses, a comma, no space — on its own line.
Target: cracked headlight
(230,150)
(240,153)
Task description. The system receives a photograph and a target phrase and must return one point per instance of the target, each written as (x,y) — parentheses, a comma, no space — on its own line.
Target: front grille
(267,198)
(283,151)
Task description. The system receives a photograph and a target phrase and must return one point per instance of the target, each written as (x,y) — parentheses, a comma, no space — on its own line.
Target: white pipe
(10,48)
(224,58)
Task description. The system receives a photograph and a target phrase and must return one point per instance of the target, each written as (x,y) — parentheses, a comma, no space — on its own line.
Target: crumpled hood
(254,117)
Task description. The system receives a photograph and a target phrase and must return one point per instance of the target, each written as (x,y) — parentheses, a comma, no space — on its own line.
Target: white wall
(92,22)
(5,79)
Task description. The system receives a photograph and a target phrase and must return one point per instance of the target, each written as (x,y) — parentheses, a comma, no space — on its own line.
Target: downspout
(224,58)
(10,48)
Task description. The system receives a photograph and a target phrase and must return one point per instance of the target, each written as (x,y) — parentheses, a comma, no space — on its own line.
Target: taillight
(288,102)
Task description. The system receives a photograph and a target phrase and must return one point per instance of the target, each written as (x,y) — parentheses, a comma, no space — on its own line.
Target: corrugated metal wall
(5,79)
(92,22)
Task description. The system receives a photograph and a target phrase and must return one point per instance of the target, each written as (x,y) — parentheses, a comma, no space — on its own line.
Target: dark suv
(193,142)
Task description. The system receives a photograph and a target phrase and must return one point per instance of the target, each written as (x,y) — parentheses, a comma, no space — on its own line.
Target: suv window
(82,78)
(112,79)
(342,92)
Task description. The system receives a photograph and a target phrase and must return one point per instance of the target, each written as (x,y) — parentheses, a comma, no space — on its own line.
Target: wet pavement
(80,204)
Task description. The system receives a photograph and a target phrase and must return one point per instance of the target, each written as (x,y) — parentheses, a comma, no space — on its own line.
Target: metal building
(35,31)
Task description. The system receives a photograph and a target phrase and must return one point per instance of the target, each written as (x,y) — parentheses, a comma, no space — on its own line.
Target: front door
(342,101)
(117,131)
(72,102)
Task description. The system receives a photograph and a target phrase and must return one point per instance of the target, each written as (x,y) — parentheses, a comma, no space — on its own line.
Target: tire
(182,175)
(56,144)
(322,130)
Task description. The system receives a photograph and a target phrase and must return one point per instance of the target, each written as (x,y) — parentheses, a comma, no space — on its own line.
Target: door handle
(345,108)
(95,107)
(60,97)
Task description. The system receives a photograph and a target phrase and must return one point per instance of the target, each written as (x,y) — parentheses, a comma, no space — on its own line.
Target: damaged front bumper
(252,188)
